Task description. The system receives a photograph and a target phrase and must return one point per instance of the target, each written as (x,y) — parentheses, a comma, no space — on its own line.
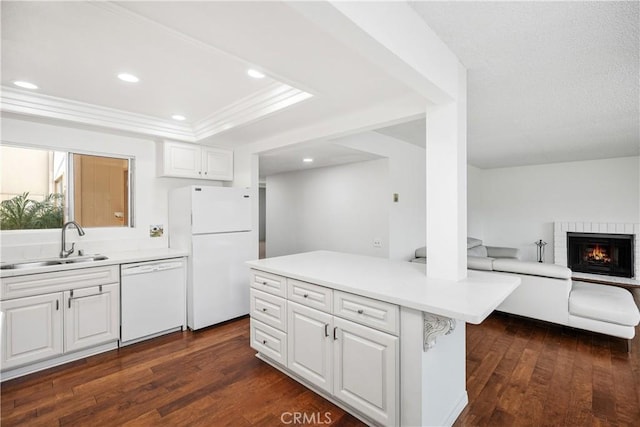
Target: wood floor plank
(519,373)
(533,400)
(579,378)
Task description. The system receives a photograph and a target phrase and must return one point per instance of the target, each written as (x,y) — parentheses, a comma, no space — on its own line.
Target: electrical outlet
(156,230)
(377,242)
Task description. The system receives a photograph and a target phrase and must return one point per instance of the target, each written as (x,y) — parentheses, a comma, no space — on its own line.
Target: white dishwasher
(153,299)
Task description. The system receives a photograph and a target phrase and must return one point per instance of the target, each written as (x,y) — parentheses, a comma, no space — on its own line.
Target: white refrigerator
(214,225)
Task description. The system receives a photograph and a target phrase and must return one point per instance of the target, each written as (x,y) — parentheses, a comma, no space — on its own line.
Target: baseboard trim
(457,409)
(60,360)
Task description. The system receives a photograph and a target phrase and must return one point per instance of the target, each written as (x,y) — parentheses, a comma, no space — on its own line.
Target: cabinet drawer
(311,295)
(269,341)
(367,311)
(269,309)
(43,283)
(267,282)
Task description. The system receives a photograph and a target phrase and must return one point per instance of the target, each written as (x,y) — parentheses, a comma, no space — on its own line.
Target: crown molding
(273,98)
(266,101)
(22,102)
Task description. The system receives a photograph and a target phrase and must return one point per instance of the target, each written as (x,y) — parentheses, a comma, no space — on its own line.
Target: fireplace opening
(598,253)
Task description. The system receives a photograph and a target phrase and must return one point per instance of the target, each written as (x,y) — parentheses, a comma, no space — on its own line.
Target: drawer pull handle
(265,283)
(326,329)
(360,311)
(306,295)
(264,309)
(264,342)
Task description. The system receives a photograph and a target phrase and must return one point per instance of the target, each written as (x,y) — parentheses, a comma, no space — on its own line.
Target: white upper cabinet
(217,163)
(181,160)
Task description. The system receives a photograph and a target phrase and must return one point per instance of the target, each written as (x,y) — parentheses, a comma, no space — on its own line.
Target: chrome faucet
(63,252)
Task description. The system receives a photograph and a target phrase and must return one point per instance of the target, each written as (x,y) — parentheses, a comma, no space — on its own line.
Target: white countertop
(122,257)
(398,282)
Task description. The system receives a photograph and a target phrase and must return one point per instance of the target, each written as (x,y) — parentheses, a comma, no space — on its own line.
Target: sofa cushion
(603,302)
(472,243)
(500,252)
(480,263)
(508,265)
(477,251)
(421,252)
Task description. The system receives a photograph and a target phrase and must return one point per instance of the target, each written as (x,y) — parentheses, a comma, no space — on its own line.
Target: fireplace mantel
(560,229)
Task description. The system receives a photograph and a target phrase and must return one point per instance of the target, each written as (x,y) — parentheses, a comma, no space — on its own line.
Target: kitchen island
(376,337)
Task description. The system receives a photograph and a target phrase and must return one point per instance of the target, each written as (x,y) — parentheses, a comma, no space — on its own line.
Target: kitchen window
(43,188)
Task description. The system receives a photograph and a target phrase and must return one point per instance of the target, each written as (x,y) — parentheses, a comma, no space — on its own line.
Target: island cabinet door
(366,370)
(310,345)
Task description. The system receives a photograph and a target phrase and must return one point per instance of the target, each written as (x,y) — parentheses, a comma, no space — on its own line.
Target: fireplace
(599,253)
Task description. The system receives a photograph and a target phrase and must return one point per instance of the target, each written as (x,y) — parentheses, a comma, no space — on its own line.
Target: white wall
(340,208)
(475,213)
(407,175)
(150,193)
(517,206)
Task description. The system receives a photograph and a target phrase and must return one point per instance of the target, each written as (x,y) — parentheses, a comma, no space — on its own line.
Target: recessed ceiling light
(126,77)
(178,117)
(307,160)
(255,74)
(25,85)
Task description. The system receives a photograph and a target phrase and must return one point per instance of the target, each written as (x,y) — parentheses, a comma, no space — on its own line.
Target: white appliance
(152,299)
(214,225)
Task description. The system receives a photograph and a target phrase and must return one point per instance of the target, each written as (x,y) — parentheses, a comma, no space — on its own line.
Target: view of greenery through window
(32,190)
(35,192)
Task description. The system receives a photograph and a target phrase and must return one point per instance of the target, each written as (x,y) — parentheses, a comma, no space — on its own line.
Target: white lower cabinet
(349,360)
(31,329)
(91,316)
(269,341)
(310,345)
(365,370)
(71,317)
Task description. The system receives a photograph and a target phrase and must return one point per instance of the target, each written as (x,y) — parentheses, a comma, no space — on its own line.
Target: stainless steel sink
(50,262)
(84,259)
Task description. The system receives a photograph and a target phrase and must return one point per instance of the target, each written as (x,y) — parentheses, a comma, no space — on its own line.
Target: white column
(447,186)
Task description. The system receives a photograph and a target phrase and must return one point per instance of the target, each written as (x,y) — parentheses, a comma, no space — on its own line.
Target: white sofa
(546,292)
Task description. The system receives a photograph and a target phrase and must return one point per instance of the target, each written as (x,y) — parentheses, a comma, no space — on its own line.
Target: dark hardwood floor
(207,378)
(522,372)
(519,372)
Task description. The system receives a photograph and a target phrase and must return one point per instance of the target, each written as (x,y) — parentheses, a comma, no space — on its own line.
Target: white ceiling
(74,50)
(289,158)
(413,132)
(548,81)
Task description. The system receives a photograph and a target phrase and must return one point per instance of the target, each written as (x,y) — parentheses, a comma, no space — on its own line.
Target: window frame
(70,182)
